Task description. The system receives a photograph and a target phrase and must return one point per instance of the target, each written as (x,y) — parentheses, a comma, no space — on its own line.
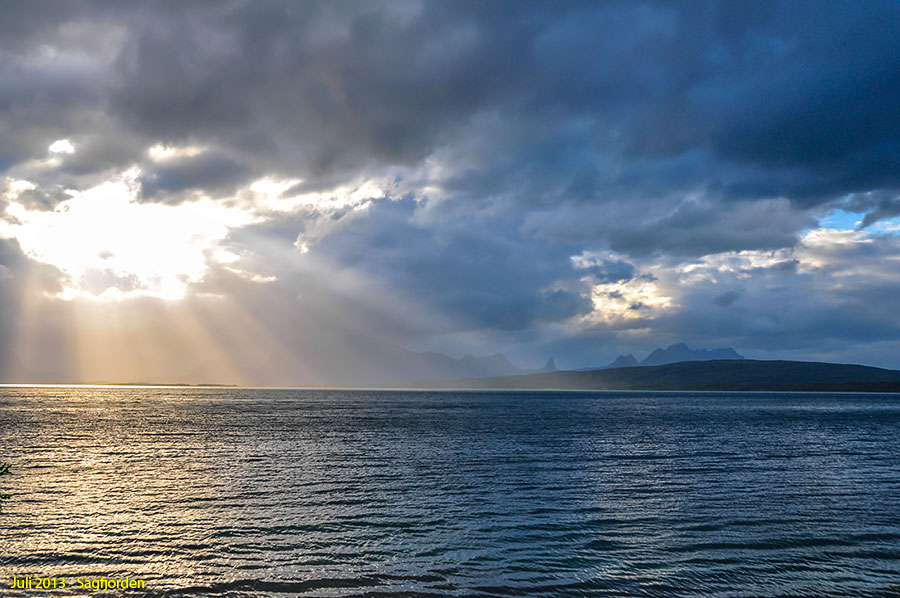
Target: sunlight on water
(236,492)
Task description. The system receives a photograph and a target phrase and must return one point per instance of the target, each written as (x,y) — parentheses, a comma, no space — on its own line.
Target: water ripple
(237,492)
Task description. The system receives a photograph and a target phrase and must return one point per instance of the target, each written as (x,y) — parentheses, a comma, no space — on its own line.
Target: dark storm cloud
(209,172)
(54,73)
(876,205)
(683,227)
(727,298)
(610,271)
(17,269)
(42,198)
(583,101)
(484,277)
(314,87)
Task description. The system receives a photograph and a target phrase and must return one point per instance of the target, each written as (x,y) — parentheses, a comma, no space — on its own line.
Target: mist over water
(249,492)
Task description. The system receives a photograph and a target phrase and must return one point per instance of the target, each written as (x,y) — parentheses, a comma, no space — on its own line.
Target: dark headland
(721,375)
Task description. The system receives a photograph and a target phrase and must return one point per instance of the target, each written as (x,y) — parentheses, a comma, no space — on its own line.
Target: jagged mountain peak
(550,366)
(682,352)
(624,361)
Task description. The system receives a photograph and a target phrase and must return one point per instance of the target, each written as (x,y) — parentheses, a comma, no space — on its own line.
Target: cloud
(690,226)
(482,276)
(106,242)
(207,172)
(42,198)
(878,205)
(831,292)
(671,102)
(726,298)
(597,172)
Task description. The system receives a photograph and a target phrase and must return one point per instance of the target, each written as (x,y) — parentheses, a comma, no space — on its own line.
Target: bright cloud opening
(628,300)
(61,146)
(112,247)
(271,194)
(162,153)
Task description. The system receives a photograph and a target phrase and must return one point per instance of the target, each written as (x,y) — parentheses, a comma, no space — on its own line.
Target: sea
(295,492)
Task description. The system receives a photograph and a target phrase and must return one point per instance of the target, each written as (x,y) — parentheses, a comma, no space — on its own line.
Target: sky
(272,192)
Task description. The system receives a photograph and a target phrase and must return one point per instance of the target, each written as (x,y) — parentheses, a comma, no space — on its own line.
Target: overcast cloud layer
(541,178)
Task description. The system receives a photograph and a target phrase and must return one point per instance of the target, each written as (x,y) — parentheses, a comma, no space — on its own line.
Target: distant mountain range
(364,362)
(674,354)
(720,375)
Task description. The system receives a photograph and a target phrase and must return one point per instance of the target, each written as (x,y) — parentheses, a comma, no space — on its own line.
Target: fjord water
(249,492)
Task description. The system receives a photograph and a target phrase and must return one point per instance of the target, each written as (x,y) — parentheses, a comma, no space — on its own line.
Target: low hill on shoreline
(721,375)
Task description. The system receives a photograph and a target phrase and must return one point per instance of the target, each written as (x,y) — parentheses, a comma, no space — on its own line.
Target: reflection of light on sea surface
(105,490)
(243,492)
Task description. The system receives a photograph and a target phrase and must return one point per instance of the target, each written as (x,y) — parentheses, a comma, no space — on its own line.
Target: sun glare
(112,247)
